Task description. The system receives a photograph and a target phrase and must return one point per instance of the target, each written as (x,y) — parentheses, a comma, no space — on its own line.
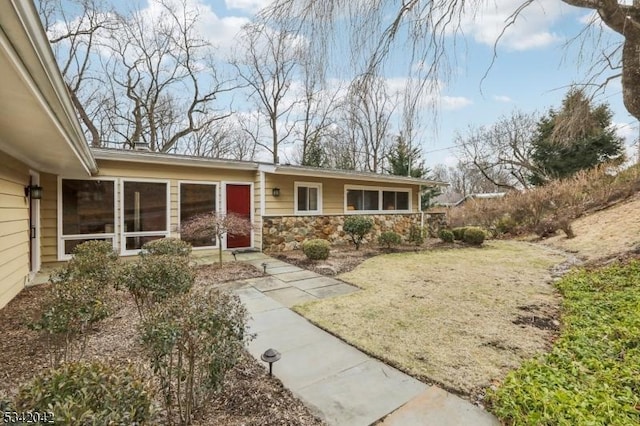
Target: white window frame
(104,236)
(380,190)
(124,235)
(218,204)
(316,185)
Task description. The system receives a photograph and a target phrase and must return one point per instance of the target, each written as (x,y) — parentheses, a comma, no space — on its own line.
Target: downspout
(420,207)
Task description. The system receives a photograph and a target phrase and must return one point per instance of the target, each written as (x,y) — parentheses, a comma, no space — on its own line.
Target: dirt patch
(448,316)
(249,397)
(544,317)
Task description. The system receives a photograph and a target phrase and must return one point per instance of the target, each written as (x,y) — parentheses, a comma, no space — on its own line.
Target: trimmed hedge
(316,249)
(473,235)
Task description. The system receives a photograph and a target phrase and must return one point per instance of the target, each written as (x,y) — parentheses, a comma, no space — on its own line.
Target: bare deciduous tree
(502,153)
(267,66)
(369,108)
(430,25)
(135,77)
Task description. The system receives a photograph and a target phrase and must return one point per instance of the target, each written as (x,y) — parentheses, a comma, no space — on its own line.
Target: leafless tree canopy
(134,77)
(431,26)
(502,152)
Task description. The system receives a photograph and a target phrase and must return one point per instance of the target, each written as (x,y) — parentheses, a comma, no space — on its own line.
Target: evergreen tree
(579,136)
(406,161)
(314,155)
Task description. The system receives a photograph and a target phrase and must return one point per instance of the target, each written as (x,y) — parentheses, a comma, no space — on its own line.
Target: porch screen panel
(88,212)
(197,199)
(145,213)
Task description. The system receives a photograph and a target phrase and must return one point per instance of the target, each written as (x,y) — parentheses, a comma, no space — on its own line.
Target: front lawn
(592,375)
(458,317)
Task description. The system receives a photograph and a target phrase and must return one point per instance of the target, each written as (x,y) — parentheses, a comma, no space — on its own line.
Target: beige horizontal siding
(332,193)
(48,218)
(14,228)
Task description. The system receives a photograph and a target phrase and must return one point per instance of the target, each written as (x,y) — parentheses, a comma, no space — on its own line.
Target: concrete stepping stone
(435,406)
(332,290)
(315,282)
(290,296)
(266,283)
(296,276)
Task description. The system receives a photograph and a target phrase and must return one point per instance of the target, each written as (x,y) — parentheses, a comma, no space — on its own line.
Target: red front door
(239,202)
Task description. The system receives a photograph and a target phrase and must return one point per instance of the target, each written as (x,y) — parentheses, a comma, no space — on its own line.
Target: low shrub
(69,309)
(590,376)
(88,394)
(166,246)
(473,235)
(389,238)
(458,233)
(92,260)
(192,341)
(316,249)
(417,235)
(153,279)
(445,235)
(357,227)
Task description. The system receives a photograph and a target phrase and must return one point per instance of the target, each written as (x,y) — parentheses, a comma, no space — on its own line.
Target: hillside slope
(605,233)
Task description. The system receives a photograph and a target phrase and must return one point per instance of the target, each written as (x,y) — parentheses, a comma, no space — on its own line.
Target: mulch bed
(249,397)
(345,258)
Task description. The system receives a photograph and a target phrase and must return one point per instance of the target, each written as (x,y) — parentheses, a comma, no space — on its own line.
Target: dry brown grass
(605,233)
(558,202)
(449,316)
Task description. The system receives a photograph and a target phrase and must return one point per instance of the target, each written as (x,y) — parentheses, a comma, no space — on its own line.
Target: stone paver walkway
(343,385)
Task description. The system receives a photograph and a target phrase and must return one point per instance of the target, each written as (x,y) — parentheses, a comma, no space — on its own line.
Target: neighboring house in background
(453,199)
(132,197)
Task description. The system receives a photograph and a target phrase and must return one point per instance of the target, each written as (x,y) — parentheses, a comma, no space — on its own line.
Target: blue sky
(531,72)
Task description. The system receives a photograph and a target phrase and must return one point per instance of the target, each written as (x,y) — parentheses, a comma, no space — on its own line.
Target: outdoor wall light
(33,191)
(270,356)
(275,192)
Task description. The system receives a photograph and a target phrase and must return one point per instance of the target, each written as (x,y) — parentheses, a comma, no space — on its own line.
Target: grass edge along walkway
(592,374)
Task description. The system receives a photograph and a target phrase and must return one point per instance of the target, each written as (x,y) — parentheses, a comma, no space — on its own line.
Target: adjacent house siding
(332,193)
(14,228)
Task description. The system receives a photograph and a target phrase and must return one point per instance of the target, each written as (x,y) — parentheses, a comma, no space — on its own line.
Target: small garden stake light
(270,356)
(264,267)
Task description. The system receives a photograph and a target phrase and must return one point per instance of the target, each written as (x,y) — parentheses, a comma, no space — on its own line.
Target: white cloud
(532,28)
(251,6)
(454,102)
(628,132)
(502,98)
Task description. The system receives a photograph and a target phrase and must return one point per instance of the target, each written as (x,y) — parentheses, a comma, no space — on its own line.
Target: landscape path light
(270,356)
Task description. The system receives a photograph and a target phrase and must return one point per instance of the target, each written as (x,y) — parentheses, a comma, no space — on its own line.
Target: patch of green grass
(592,374)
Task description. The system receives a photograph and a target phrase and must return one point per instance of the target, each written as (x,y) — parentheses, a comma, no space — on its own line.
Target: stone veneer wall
(282,233)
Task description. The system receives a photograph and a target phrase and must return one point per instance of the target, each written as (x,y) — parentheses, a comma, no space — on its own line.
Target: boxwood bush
(458,233)
(316,249)
(445,235)
(473,235)
(389,238)
(88,394)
